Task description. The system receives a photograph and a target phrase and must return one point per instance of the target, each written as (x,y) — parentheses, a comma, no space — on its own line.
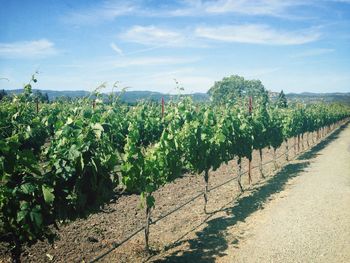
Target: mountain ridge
(134,96)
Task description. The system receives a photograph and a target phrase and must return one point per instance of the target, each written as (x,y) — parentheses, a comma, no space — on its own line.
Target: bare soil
(173,237)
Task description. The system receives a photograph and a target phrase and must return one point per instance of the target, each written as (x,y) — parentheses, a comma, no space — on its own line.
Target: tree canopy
(2,94)
(282,100)
(234,88)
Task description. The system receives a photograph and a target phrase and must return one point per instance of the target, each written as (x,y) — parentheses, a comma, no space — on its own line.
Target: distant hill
(134,96)
(309,97)
(53,94)
(128,96)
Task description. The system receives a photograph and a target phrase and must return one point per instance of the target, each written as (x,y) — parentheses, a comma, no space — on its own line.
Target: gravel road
(309,220)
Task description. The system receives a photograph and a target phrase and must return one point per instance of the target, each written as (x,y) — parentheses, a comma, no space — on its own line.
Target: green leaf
(36,217)
(221,137)
(82,162)
(94,165)
(9,165)
(98,129)
(74,152)
(21,214)
(48,194)
(149,188)
(150,201)
(69,121)
(28,188)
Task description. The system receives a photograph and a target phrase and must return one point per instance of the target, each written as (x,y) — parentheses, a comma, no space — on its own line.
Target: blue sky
(145,44)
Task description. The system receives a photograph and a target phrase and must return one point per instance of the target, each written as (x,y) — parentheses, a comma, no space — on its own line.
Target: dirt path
(308,222)
(302,214)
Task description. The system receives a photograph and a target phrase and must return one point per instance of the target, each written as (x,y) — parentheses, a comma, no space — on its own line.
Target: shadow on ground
(314,151)
(210,242)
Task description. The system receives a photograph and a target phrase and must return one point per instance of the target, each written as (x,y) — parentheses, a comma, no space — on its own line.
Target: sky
(151,45)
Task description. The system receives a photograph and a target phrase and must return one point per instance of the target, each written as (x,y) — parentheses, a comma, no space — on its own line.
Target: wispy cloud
(152,35)
(341,1)
(139,73)
(313,52)
(107,11)
(28,49)
(152,61)
(144,50)
(257,34)
(106,64)
(117,49)
(259,7)
(110,10)
(246,7)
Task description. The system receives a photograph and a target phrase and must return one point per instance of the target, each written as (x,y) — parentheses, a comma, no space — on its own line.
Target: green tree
(46,97)
(2,94)
(39,96)
(228,89)
(235,88)
(282,100)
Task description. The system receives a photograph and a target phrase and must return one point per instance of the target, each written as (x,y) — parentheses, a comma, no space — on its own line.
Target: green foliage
(235,89)
(282,100)
(261,126)
(39,97)
(27,89)
(202,141)
(235,124)
(147,167)
(275,130)
(60,161)
(3,94)
(81,162)
(25,204)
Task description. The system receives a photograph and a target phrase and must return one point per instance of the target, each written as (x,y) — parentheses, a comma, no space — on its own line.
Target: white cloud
(247,7)
(110,10)
(152,61)
(117,49)
(107,11)
(341,1)
(142,50)
(28,49)
(111,63)
(152,35)
(313,52)
(258,7)
(257,34)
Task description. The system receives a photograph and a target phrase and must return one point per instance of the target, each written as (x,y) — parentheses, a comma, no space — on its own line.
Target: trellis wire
(116,245)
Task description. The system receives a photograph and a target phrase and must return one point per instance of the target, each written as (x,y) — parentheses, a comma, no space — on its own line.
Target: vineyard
(62,160)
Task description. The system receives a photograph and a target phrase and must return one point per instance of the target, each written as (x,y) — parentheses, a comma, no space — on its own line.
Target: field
(171,234)
(99,166)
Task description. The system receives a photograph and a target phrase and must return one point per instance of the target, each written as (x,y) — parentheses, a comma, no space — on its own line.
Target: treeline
(35,96)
